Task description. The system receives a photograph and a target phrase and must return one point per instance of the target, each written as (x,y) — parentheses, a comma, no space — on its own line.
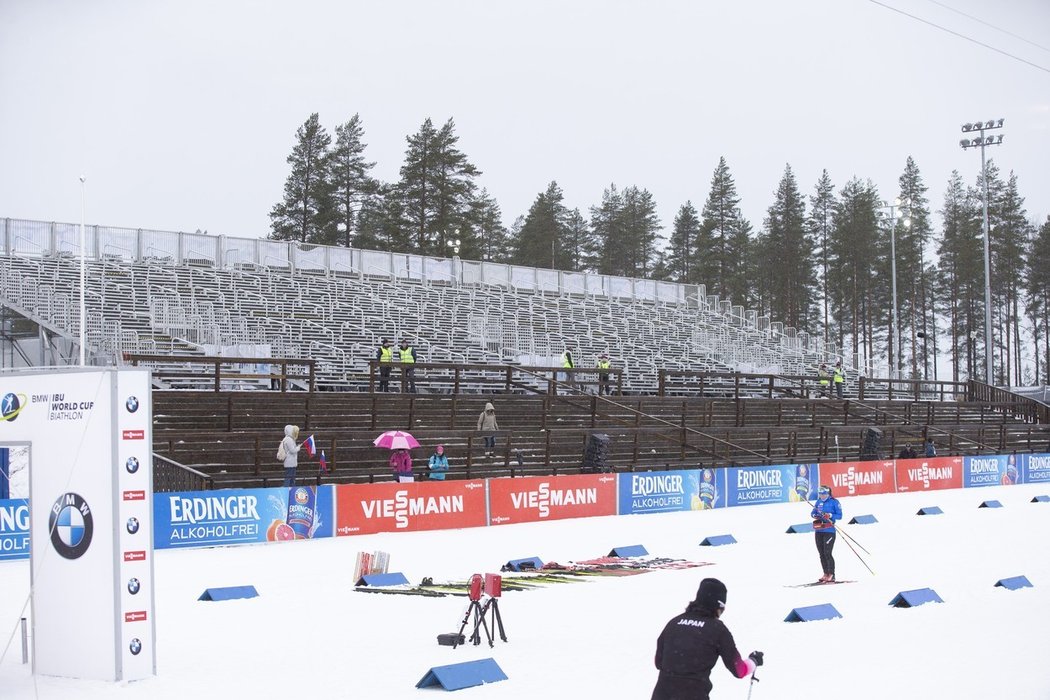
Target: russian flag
(311,448)
(324,462)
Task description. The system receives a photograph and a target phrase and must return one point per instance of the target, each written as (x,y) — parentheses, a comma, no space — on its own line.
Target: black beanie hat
(711,595)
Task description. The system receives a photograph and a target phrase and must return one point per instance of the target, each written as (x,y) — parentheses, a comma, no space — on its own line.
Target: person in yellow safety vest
(385,356)
(408,358)
(824,379)
(840,378)
(567,363)
(603,377)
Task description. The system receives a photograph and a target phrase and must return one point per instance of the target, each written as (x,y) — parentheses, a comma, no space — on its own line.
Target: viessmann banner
(536,498)
(241,516)
(929,474)
(393,507)
(858,478)
(664,492)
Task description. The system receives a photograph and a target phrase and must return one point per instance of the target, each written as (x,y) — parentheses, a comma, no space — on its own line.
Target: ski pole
(859,556)
(751,684)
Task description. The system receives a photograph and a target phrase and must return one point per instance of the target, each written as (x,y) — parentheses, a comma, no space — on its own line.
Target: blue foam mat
(634,550)
(229,593)
(463,675)
(919,596)
(863,520)
(395,578)
(718,540)
(1014,582)
(810,613)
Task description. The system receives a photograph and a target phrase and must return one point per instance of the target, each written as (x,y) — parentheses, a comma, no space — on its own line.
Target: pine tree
(349,179)
(1010,232)
(787,262)
(1038,275)
(607,229)
(579,242)
(436,188)
(680,261)
(854,261)
(960,275)
(641,228)
(913,274)
(540,242)
(307,212)
(719,256)
(486,221)
(821,208)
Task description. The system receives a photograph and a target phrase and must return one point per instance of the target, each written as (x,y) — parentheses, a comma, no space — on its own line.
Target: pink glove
(744,668)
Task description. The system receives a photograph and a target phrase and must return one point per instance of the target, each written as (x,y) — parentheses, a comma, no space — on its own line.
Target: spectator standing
(693,642)
(385,357)
(840,378)
(408,361)
(566,363)
(487,424)
(907,452)
(825,513)
(929,449)
(603,377)
(401,465)
(291,454)
(824,380)
(438,464)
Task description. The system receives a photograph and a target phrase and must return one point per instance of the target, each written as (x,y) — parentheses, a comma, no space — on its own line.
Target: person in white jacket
(291,454)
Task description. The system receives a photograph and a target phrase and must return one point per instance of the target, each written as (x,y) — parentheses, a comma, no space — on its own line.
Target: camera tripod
(481,615)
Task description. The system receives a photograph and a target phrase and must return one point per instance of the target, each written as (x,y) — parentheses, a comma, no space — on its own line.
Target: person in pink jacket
(401,464)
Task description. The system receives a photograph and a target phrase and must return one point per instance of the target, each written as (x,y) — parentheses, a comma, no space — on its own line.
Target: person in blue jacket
(825,513)
(438,464)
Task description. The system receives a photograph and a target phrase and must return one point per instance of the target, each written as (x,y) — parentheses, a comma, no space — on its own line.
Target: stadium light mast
(895,335)
(83,248)
(983,141)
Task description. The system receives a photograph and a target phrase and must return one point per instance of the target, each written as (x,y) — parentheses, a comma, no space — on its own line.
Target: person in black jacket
(691,644)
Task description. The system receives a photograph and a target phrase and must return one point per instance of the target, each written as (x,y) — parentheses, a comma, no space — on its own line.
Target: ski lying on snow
(817,583)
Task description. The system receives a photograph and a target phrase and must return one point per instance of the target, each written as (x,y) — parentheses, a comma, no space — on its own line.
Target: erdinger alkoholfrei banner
(664,492)
(785,483)
(929,473)
(991,470)
(242,516)
(394,507)
(14,529)
(538,498)
(1036,468)
(858,478)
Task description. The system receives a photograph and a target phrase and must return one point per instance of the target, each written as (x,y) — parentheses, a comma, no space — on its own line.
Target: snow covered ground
(309,634)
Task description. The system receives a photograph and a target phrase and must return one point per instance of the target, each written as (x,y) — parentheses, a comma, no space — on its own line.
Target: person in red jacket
(693,642)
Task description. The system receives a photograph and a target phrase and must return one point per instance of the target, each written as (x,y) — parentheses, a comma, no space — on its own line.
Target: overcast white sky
(181,113)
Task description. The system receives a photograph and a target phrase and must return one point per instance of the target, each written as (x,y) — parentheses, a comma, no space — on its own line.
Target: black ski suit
(687,650)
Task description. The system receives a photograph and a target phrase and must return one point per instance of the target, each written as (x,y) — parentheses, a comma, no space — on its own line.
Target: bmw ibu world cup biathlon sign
(89,433)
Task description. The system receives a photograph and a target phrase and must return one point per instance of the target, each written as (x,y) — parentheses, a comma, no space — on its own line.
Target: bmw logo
(11,405)
(133,525)
(132,465)
(132,404)
(71,525)
(135,647)
(134,586)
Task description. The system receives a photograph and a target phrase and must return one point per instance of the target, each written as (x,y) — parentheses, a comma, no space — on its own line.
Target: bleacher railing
(40,238)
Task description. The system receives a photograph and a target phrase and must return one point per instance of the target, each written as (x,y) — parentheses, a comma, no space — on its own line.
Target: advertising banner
(664,492)
(858,478)
(928,474)
(538,498)
(785,483)
(427,505)
(991,470)
(241,516)
(1036,468)
(14,529)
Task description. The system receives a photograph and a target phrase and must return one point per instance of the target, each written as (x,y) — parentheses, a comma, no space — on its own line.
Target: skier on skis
(691,644)
(825,513)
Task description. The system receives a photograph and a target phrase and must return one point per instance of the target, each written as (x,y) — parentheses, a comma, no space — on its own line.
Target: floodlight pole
(895,331)
(83,247)
(982,142)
